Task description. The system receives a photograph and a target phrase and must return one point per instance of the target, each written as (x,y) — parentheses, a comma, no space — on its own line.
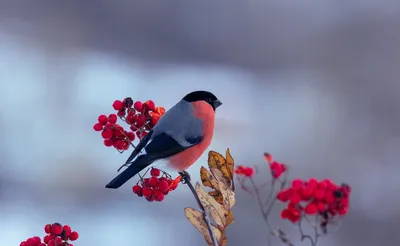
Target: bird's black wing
(139,147)
(164,146)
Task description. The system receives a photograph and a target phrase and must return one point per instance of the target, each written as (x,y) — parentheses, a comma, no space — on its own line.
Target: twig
(186,178)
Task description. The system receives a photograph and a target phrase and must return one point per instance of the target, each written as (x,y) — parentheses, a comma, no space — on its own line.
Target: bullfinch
(181,136)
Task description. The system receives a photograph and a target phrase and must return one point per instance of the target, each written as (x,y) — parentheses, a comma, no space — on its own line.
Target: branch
(186,180)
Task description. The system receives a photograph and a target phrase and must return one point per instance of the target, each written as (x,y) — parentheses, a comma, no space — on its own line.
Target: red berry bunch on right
(157,186)
(312,197)
(276,168)
(57,235)
(141,118)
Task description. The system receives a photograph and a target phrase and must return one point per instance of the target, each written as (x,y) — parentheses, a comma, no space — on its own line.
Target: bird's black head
(203,96)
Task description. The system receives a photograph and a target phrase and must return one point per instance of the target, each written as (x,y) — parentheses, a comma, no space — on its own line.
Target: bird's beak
(217,103)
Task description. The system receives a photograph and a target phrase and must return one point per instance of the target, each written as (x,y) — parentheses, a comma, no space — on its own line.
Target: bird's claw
(185,177)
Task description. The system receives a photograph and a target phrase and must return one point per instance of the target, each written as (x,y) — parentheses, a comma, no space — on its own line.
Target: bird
(180,136)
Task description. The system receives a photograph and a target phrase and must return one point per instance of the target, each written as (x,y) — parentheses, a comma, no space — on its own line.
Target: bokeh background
(315,83)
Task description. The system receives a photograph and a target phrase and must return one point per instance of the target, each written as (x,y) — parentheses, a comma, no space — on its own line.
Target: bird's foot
(185,177)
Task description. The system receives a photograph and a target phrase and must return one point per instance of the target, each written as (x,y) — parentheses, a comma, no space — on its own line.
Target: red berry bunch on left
(141,118)
(57,235)
(157,186)
(312,197)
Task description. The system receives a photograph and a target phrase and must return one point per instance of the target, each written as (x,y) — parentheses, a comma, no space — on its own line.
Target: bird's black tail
(138,165)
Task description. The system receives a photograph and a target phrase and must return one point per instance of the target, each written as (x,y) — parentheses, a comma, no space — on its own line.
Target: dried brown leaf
(196,218)
(208,179)
(216,210)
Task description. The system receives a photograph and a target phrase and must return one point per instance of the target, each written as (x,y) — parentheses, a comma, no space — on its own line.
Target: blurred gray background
(315,83)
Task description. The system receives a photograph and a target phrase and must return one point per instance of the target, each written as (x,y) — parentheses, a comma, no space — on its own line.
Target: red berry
(118,105)
(319,194)
(137,189)
(248,171)
(103,119)
(321,206)
(121,112)
(297,184)
(131,136)
(158,195)
(108,142)
(146,182)
(140,120)
(67,230)
(150,105)
(311,209)
(47,238)
(98,127)
(147,192)
(285,214)
(150,199)
(306,193)
(52,243)
(295,198)
(121,145)
(138,106)
(163,186)
(107,134)
(112,118)
(128,102)
(47,228)
(155,172)
(23,244)
(160,110)
(133,128)
(73,236)
(56,228)
(153,181)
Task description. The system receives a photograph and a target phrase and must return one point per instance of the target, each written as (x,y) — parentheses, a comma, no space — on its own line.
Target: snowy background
(315,83)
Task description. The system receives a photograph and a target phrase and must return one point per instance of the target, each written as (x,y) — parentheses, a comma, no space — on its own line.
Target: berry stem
(186,177)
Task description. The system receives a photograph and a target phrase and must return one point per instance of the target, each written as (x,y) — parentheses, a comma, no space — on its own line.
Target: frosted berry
(118,105)
(98,127)
(155,172)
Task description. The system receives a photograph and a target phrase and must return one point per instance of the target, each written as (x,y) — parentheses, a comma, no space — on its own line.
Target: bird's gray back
(180,123)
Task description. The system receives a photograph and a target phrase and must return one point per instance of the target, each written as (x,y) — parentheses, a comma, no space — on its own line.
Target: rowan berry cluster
(141,118)
(312,197)
(57,235)
(244,171)
(276,168)
(157,186)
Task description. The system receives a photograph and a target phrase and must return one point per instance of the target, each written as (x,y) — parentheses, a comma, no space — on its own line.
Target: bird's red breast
(185,159)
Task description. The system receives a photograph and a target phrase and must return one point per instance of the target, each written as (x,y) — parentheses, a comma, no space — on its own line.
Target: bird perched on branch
(181,136)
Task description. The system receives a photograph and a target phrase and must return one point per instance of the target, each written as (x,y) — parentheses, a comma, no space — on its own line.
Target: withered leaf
(208,179)
(216,210)
(196,218)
